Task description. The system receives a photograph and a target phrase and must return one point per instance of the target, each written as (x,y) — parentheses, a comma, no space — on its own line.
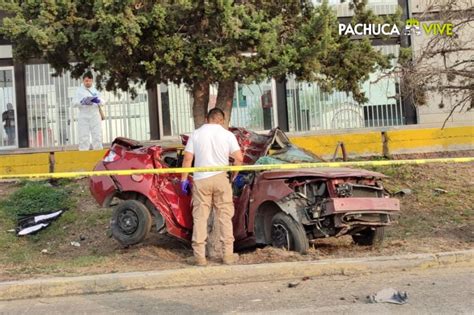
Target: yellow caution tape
(239,168)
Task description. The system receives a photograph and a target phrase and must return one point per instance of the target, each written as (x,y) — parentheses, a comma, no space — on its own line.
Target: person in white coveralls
(89,119)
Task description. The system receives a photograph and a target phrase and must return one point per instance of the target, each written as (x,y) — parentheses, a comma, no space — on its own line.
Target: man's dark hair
(88,75)
(215,113)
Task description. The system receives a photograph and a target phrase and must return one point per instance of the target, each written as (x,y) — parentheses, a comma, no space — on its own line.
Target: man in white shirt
(212,145)
(89,120)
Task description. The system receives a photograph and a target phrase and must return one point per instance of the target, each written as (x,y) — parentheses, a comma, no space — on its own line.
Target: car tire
(287,233)
(369,236)
(131,222)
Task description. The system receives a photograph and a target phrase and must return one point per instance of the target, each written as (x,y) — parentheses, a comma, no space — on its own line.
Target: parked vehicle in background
(282,208)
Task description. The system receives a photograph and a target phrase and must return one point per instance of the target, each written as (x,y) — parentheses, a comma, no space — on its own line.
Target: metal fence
(252,106)
(180,107)
(52,119)
(309,108)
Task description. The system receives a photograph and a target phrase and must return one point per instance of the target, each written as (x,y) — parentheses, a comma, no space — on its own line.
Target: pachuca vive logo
(412,26)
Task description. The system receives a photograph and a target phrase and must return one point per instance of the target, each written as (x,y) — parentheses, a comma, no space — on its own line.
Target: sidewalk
(198,276)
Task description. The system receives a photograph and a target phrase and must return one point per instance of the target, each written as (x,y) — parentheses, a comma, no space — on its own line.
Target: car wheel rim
(280,236)
(128,221)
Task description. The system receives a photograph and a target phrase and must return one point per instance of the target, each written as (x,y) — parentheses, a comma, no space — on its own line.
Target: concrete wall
(24,163)
(64,161)
(430,140)
(396,141)
(71,161)
(357,144)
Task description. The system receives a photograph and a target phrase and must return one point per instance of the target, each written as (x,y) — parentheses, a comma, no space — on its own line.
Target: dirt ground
(431,221)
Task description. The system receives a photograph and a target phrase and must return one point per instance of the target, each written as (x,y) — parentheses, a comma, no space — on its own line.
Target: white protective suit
(89,123)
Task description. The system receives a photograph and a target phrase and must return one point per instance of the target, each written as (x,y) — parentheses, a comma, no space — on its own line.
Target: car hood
(326,172)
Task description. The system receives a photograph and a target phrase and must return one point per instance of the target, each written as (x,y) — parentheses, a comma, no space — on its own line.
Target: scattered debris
(32,229)
(403,192)
(11,231)
(256,300)
(439,191)
(306,278)
(76,244)
(389,295)
(293,284)
(44,251)
(33,223)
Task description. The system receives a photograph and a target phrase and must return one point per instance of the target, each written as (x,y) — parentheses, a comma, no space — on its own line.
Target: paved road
(435,291)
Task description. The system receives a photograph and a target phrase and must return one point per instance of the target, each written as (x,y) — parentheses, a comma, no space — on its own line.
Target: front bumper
(345,205)
(352,212)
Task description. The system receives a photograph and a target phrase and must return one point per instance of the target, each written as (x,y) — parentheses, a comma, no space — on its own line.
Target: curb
(198,276)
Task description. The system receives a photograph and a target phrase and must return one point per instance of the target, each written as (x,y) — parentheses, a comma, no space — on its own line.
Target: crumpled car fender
(294,205)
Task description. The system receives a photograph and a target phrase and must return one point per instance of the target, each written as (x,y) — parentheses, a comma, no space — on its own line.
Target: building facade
(438,104)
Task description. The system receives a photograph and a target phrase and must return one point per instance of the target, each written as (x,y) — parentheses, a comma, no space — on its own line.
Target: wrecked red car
(282,208)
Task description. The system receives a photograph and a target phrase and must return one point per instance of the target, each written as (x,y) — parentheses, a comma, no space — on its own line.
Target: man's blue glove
(239,181)
(95,100)
(186,187)
(86,101)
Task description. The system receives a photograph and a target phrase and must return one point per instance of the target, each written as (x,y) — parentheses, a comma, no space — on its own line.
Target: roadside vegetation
(36,198)
(437,215)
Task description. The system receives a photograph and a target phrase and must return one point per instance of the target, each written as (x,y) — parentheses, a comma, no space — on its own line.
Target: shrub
(36,197)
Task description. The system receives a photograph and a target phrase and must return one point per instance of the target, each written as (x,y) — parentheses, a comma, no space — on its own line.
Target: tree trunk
(200,91)
(225,97)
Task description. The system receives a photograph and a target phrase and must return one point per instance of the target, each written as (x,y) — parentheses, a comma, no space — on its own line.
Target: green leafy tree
(195,42)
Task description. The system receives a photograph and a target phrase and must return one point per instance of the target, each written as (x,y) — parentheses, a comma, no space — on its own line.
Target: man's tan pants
(212,192)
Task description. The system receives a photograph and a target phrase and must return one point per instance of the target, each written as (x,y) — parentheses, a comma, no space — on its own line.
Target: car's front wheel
(369,236)
(287,233)
(131,222)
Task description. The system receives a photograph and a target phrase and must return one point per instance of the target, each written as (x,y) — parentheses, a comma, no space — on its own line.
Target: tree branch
(451,112)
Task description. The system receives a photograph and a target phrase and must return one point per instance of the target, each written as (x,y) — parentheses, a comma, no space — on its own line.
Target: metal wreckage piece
(389,295)
(32,223)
